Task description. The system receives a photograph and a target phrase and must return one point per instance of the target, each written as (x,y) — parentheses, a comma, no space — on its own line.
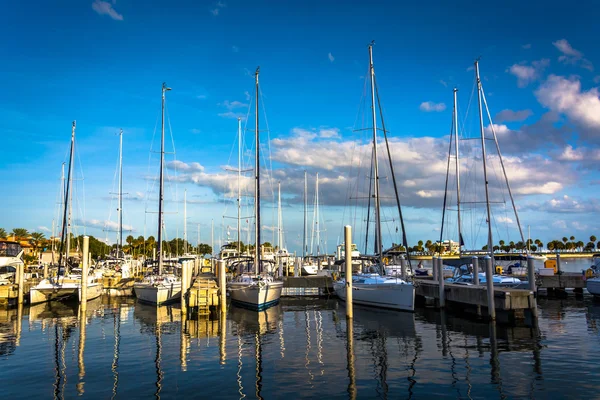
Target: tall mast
(378,245)
(279,241)
(257,183)
(212,235)
(317,215)
(162,179)
(239,199)
(304,235)
(490,248)
(68,195)
(120,239)
(460,239)
(185,249)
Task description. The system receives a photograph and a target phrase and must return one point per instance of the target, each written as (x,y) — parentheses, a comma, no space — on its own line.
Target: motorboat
(66,287)
(464,276)
(158,289)
(593,284)
(255,291)
(11,255)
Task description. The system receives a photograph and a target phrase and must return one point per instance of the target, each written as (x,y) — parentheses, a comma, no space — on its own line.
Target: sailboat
(255,289)
(375,288)
(310,265)
(163,285)
(117,266)
(66,285)
(464,274)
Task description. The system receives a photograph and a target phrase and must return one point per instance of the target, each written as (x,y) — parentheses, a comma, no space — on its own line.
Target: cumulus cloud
(106,8)
(512,116)
(107,226)
(572,56)
(233,109)
(430,106)
(528,73)
(565,96)
(566,205)
(217,8)
(44,229)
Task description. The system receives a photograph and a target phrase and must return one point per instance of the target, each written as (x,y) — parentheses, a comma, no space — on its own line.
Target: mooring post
(352,391)
(21,282)
(531,279)
(297,265)
(280,267)
(184,286)
(435,271)
(475,263)
(403,267)
(489,278)
(223,337)
(558,263)
(348,249)
(84,271)
(46,271)
(440,266)
(222,288)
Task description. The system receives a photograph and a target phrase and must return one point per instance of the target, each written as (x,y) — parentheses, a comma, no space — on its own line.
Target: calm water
(566,264)
(298,349)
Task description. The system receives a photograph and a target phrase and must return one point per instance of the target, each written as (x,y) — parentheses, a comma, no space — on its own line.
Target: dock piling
(475,263)
(348,249)
(403,267)
(489,279)
(440,268)
(84,272)
(531,279)
(184,286)
(21,285)
(434,269)
(222,288)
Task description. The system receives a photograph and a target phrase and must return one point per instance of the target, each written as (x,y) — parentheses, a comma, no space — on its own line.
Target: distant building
(449,247)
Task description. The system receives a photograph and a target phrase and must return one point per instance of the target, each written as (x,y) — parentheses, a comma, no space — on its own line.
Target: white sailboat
(464,274)
(375,289)
(255,289)
(164,286)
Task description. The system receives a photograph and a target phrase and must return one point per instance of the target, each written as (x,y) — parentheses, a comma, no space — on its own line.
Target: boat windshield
(8,249)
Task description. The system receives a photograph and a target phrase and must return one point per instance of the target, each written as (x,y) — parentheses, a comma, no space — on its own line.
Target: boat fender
(589,273)
(386,261)
(499,269)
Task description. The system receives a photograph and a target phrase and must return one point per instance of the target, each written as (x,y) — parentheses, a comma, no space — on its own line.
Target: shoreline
(547,255)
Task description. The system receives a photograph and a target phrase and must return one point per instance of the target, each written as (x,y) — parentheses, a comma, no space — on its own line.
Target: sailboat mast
(239,198)
(460,240)
(317,217)
(120,240)
(304,235)
(279,241)
(70,191)
(185,249)
(257,184)
(64,237)
(162,179)
(378,245)
(490,248)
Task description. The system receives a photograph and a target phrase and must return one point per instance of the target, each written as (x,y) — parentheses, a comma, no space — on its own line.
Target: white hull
(392,296)
(157,293)
(118,292)
(48,291)
(309,270)
(593,286)
(255,296)
(94,290)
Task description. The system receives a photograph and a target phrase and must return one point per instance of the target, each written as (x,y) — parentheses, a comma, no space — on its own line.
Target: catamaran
(375,288)
(163,284)
(254,287)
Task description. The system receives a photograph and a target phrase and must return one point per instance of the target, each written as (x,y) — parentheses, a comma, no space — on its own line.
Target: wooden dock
(10,293)
(203,295)
(511,304)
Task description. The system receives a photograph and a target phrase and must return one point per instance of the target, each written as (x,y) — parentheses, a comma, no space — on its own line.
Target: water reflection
(10,331)
(251,327)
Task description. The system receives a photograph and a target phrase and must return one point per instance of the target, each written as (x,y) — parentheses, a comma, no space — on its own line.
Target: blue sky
(102,63)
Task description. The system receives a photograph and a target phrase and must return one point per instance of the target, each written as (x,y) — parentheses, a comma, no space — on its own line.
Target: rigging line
(174,161)
(502,164)
(369,208)
(446,187)
(387,145)
(269,159)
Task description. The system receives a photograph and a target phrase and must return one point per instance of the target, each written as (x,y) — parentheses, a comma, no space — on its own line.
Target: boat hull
(255,296)
(391,296)
(94,290)
(157,294)
(43,294)
(593,286)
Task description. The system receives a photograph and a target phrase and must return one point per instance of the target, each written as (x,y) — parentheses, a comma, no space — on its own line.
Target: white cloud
(443,82)
(231,106)
(329,133)
(218,6)
(528,73)
(247,94)
(107,226)
(44,229)
(231,114)
(106,8)
(195,131)
(545,188)
(566,96)
(430,106)
(579,154)
(330,56)
(504,220)
(202,97)
(512,116)
(526,46)
(572,56)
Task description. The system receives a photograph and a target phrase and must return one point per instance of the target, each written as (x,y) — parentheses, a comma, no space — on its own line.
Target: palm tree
(36,239)
(565,239)
(2,233)
(572,238)
(20,233)
(592,239)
